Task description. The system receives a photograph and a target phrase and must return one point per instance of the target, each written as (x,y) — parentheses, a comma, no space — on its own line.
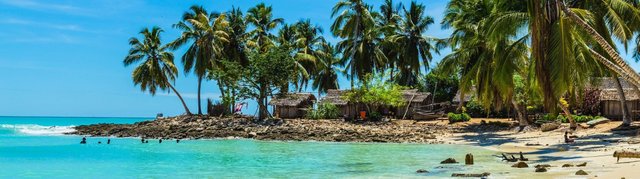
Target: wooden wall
(613,109)
(289,112)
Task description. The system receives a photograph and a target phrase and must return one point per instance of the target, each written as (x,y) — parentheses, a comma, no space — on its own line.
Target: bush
(324,111)
(375,116)
(216,108)
(453,117)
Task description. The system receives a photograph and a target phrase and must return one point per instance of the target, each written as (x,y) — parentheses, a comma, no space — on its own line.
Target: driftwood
(513,159)
(485,174)
(626,154)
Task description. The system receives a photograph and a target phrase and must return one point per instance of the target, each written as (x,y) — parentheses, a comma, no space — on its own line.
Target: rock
(541,169)
(485,174)
(543,166)
(549,126)
(581,172)
(582,164)
(567,165)
(422,171)
(449,161)
(468,159)
(252,134)
(584,126)
(598,121)
(520,165)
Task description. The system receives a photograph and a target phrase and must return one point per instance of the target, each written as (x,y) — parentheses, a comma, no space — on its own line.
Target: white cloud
(66,27)
(40,6)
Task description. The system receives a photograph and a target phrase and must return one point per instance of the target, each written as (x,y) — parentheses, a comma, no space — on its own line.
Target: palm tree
(205,34)
(326,75)
(488,64)
(307,40)
(361,51)
(413,45)
(156,70)
(261,17)
(389,22)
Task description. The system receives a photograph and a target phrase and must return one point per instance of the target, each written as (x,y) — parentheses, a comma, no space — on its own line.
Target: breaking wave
(34,129)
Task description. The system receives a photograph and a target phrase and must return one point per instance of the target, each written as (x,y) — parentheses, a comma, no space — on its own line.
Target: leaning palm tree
(205,34)
(414,47)
(355,23)
(261,17)
(156,70)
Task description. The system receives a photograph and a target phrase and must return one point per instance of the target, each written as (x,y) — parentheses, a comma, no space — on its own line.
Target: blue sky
(64,58)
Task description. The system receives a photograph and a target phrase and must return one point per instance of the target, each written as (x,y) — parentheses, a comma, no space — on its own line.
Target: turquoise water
(33,147)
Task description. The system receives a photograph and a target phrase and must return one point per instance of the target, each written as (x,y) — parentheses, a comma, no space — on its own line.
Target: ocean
(35,147)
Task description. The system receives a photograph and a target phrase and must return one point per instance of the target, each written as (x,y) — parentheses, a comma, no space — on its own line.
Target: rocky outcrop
(449,161)
(197,127)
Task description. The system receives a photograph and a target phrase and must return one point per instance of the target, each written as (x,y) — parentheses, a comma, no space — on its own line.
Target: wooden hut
(293,105)
(415,102)
(348,110)
(610,106)
(467,96)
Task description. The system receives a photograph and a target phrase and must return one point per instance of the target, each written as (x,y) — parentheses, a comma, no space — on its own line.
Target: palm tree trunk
(186,109)
(520,114)
(626,119)
(572,123)
(601,41)
(199,87)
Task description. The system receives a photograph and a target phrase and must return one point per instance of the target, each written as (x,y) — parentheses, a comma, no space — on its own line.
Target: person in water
(99,142)
(567,139)
(142,140)
(84,140)
(177,140)
(160,141)
(108,141)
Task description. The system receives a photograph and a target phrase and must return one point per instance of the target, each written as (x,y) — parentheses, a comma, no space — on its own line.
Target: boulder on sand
(584,164)
(422,171)
(541,169)
(581,172)
(543,166)
(567,165)
(449,161)
(549,126)
(520,165)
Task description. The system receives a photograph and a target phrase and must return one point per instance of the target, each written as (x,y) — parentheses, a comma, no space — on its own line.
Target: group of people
(84,141)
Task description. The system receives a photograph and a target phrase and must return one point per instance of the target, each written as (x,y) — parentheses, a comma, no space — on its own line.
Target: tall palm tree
(355,23)
(308,38)
(205,33)
(414,47)
(156,70)
(488,64)
(326,75)
(261,17)
(389,21)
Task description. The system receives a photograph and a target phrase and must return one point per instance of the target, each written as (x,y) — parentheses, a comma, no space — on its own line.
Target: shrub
(374,116)
(324,111)
(216,108)
(453,117)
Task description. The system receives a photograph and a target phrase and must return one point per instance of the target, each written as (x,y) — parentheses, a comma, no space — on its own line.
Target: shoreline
(595,146)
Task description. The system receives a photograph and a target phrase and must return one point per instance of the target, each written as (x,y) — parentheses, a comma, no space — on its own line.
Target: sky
(64,57)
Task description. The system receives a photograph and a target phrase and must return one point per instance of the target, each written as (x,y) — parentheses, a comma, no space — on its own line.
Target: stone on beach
(584,164)
(422,171)
(581,172)
(541,169)
(520,165)
(598,121)
(567,165)
(549,126)
(542,166)
(449,161)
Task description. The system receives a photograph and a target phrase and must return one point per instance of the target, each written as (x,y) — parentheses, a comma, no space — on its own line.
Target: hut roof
(334,96)
(609,91)
(467,96)
(291,99)
(418,97)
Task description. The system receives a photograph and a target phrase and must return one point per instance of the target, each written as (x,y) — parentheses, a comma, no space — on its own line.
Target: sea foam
(34,129)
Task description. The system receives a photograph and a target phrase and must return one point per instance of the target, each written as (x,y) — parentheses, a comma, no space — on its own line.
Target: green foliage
(324,111)
(578,118)
(445,86)
(376,93)
(374,116)
(453,117)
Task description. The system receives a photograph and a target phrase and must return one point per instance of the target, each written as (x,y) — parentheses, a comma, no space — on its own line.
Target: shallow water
(32,147)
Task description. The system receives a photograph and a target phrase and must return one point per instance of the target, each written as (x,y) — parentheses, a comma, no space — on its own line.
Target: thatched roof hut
(334,97)
(610,105)
(293,105)
(467,96)
(414,96)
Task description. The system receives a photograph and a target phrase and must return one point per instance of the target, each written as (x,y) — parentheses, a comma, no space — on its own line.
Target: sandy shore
(595,146)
